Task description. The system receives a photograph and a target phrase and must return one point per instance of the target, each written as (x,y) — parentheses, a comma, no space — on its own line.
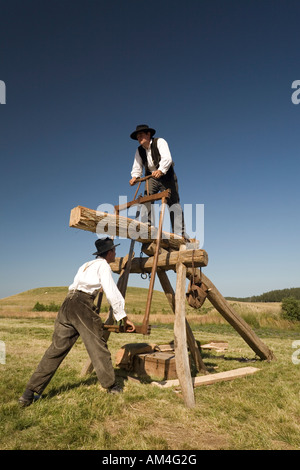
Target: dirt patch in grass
(170,434)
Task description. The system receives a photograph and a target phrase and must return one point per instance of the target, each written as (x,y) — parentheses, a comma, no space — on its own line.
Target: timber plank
(212,378)
(180,340)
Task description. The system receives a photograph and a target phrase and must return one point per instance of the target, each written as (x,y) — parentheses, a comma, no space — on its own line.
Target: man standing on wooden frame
(77,317)
(153,154)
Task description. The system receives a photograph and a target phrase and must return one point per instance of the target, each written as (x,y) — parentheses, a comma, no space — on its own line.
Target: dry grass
(257,412)
(261,411)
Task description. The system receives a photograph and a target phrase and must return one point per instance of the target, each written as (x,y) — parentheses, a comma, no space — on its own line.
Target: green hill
(258,311)
(271,296)
(136,298)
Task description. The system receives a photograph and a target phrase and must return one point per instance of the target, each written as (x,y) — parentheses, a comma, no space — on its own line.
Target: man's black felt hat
(142,128)
(103,245)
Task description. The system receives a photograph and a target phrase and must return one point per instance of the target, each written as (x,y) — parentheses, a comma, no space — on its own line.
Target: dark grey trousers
(75,318)
(175,209)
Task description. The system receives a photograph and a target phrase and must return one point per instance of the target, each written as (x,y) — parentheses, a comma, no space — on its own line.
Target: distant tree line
(271,296)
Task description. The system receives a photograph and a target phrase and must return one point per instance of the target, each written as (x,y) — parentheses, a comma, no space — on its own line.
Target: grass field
(261,411)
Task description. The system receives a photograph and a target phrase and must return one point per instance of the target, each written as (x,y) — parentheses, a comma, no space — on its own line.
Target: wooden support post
(181,352)
(225,309)
(192,344)
(153,272)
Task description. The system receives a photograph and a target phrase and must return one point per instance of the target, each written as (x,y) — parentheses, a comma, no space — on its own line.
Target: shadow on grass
(121,379)
(67,387)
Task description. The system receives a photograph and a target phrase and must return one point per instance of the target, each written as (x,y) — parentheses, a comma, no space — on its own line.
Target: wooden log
(238,323)
(180,343)
(210,379)
(118,226)
(192,344)
(165,261)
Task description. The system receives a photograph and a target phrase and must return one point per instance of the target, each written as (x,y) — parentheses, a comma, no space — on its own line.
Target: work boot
(28,398)
(115,388)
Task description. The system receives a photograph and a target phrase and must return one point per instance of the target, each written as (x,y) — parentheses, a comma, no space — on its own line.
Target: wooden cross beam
(165,261)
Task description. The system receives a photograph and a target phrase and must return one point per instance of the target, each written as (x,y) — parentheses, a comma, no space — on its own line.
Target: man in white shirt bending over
(77,317)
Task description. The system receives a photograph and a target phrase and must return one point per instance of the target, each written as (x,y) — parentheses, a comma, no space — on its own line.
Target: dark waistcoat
(156,159)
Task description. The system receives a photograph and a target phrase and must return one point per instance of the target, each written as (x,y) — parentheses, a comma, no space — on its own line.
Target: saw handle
(139,329)
(140,180)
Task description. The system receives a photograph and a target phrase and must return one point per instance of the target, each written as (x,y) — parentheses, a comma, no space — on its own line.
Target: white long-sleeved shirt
(164,164)
(95,274)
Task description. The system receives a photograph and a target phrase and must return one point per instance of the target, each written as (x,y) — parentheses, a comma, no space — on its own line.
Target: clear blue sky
(212,77)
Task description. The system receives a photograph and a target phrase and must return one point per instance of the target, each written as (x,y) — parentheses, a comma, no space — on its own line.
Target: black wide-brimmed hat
(103,245)
(142,128)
